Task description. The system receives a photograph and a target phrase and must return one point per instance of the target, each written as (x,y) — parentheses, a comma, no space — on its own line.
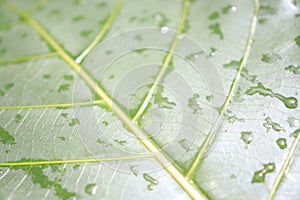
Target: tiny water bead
(164,29)
(105,123)
(281,142)
(260,175)
(150,187)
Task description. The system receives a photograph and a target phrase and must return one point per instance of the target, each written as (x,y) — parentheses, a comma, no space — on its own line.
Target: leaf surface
(204,105)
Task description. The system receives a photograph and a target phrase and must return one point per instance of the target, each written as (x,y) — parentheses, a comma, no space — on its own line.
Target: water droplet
(105,123)
(214,15)
(134,170)
(294,69)
(297,40)
(46,76)
(289,102)
(194,103)
(164,29)
(150,179)
(193,56)
(74,121)
(233,8)
(150,187)
(258,177)
(247,137)
(216,29)
(269,124)
(213,51)
(18,117)
(68,77)
(1,171)
(91,189)
(209,98)
(281,142)
(270,167)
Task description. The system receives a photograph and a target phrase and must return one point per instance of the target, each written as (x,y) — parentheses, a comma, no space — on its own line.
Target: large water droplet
(281,142)
(289,102)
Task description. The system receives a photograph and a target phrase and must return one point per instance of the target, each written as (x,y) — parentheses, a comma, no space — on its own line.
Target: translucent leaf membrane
(59,17)
(185,102)
(71,133)
(22,34)
(34,83)
(58,140)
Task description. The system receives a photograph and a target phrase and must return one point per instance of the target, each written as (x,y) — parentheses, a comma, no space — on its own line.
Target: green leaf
(95,104)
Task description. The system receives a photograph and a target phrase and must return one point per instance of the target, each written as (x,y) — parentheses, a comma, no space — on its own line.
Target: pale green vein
(102,32)
(285,166)
(190,188)
(62,105)
(207,144)
(165,63)
(57,162)
(28,58)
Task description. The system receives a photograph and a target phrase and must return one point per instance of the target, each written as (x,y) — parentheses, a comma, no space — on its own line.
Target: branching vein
(213,133)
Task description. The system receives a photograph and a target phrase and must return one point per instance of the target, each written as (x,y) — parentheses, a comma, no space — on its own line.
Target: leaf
(95,104)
